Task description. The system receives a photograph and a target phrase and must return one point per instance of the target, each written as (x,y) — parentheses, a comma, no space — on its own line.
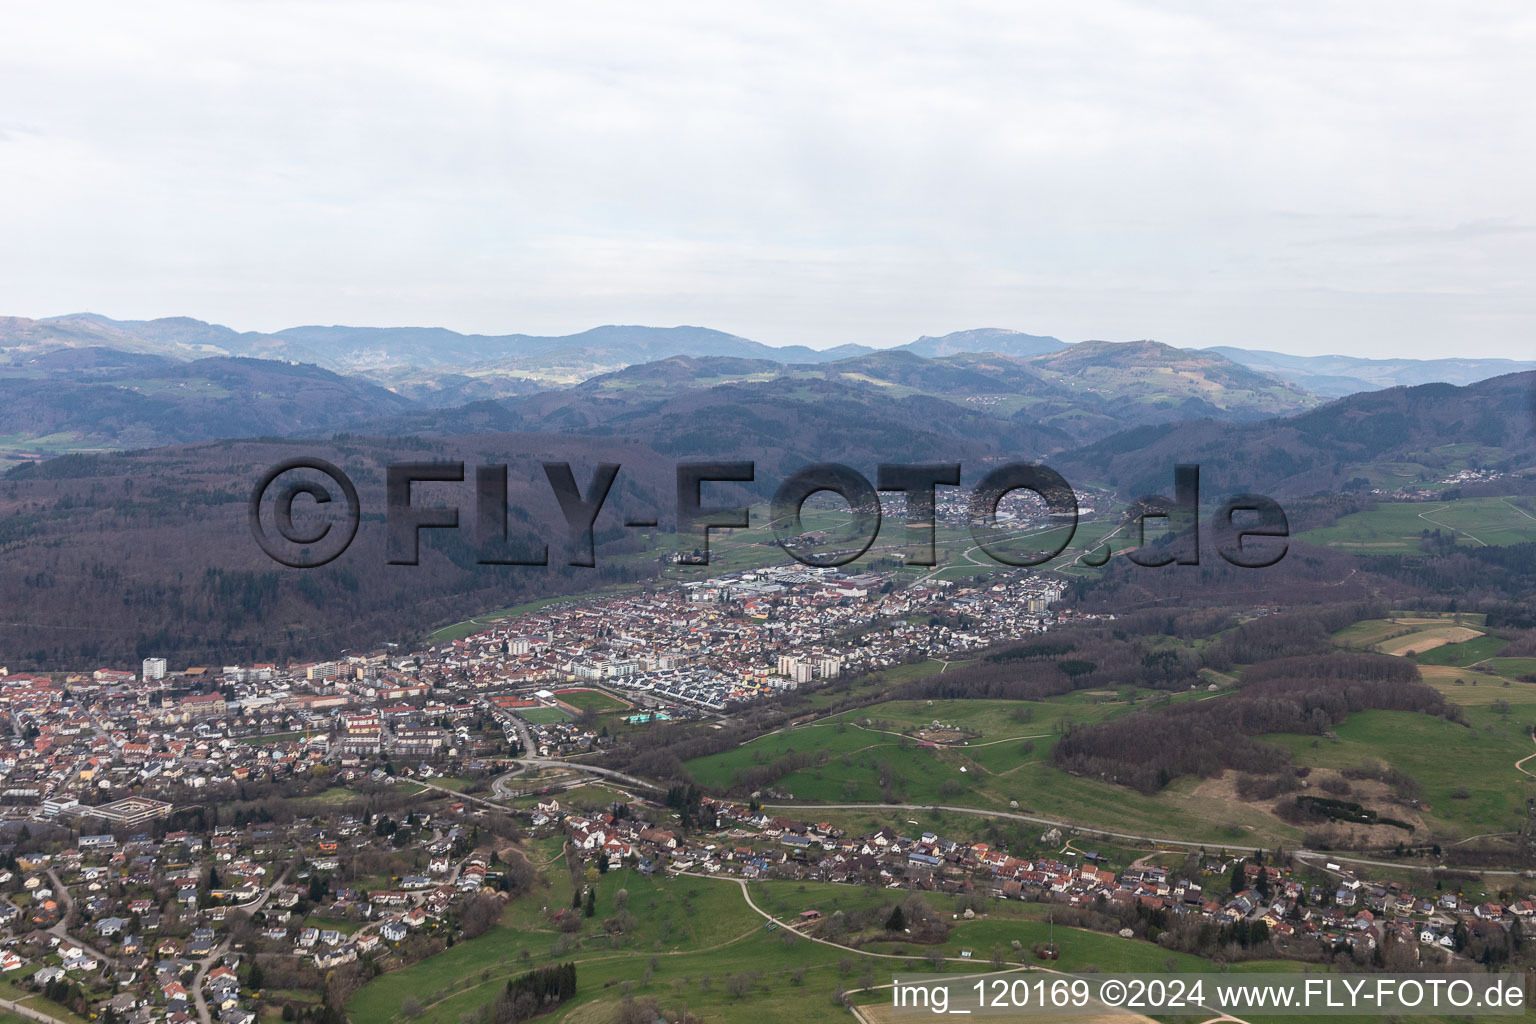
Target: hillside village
(122,887)
(1295,903)
(380,816)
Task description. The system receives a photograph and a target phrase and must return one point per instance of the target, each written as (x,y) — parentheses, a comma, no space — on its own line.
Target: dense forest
(1148,749)
(111,558)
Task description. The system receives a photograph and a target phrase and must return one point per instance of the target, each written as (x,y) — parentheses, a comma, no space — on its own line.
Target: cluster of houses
(708,644)
(1332,905)
(148,915)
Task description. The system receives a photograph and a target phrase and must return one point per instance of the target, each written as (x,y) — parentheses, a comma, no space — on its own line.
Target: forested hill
(1492,422)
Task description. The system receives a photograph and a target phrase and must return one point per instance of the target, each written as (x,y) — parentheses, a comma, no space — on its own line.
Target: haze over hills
(1337,376)
(1401,433)
(1151,372)
(155,383)
(1107,388)
(407,353)
(444,367)
(986,339)
(84,398)
(85,381)
(781,423)
(152,517)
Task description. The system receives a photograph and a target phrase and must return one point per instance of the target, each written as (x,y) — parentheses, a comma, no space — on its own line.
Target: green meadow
(1395,527)
(1470,784)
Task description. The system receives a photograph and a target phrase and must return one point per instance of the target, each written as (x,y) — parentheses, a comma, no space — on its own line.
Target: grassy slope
(1394,528)
(1446,758)
(690,929)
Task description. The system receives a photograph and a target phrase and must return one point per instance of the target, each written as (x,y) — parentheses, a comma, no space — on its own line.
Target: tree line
(1148,749)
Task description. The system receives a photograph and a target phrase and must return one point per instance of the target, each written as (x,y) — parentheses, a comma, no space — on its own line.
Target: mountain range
(86,382)
(89,398)
(443,367)
(151,535)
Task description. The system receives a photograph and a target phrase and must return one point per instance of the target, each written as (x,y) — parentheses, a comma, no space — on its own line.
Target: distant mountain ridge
(1426,430)
(87,398)
(356,348)
(1081,392)
(1337,376)
(985,339)
(75,397)
(445,367)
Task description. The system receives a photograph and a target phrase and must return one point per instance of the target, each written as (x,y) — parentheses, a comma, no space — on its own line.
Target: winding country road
(1156,840)
(500,784)
(1010,966)
(1520,764)
(499,789)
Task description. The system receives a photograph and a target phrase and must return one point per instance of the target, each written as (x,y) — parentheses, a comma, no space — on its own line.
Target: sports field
(543,716)
(595,701)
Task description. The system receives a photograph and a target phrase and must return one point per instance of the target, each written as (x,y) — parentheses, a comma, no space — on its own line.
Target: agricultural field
(1204,810)
(849,764)
(1421,640)
(1462,654)
(978,741)
(685,938)
(1403,633)
(992,720)
(1395,527)
(1512,668)
(1469,686)
(481,623)
(911,753)
(1081,950)
(1446,648)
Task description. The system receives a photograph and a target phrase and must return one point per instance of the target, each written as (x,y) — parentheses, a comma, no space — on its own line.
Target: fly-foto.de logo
(1249,530)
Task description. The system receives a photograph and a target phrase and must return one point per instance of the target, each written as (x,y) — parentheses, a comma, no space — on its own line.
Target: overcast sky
(1311,177)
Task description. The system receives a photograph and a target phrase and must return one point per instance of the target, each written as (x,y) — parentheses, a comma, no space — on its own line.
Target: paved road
(1010,966)
(500,785)
(498,788)
(524,735)
(206,963)
(66,903)
(1187,844)
(11,1006)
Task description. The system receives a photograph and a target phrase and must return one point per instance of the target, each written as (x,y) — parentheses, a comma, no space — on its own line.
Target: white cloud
(1313,177)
